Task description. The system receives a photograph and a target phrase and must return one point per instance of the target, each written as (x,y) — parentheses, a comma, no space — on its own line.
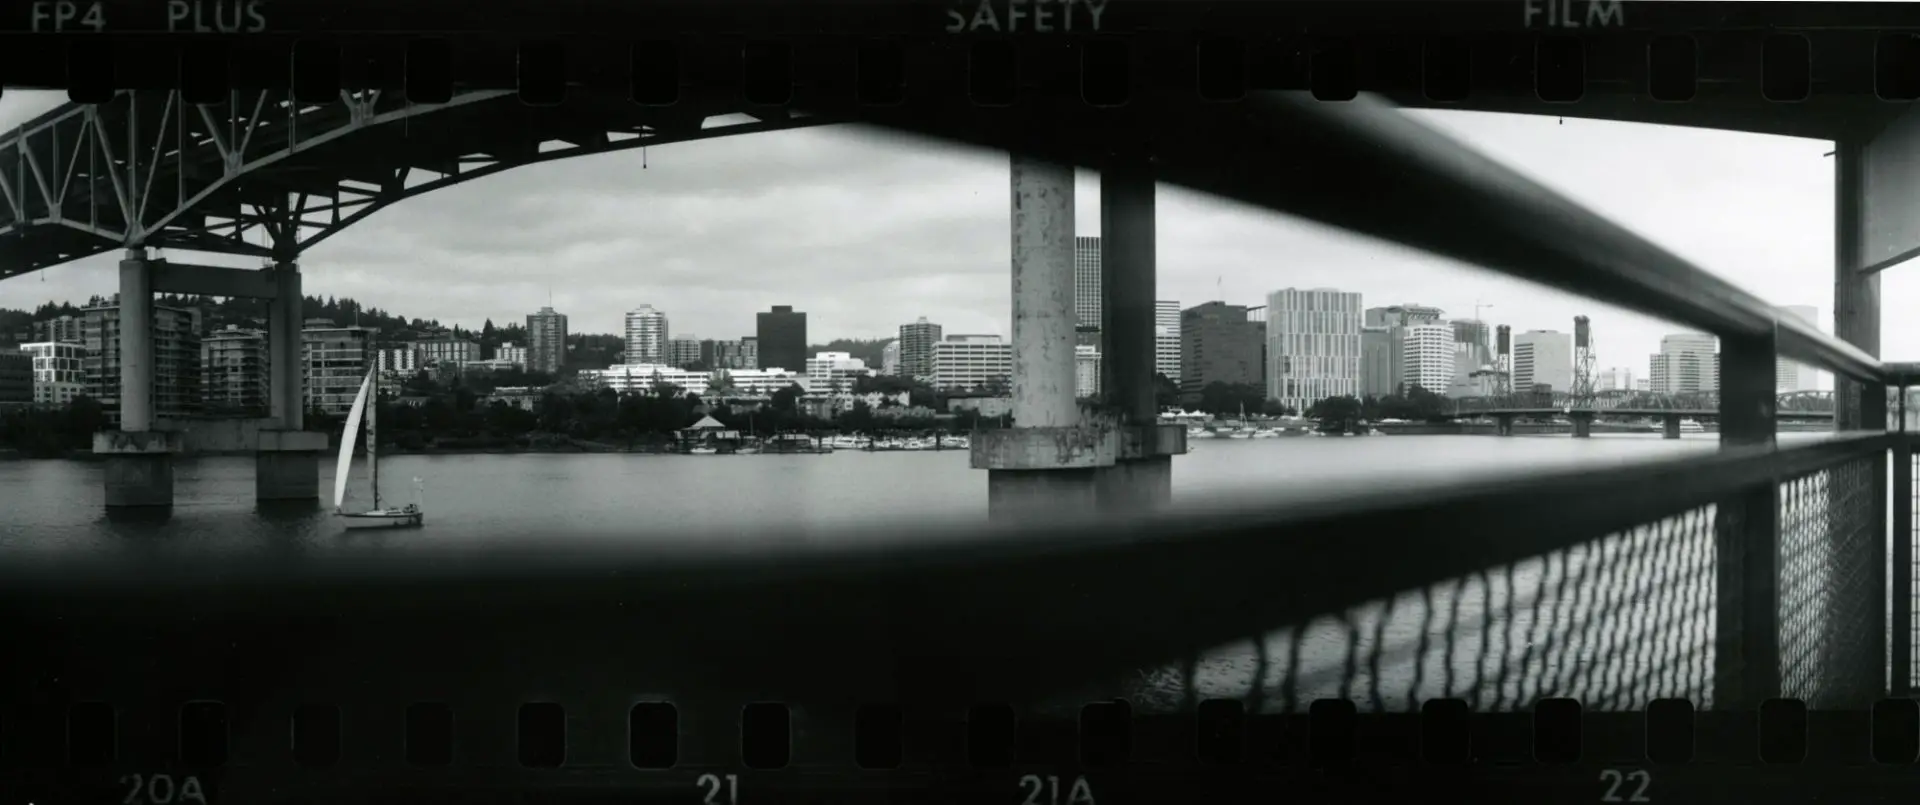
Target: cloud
(865,230)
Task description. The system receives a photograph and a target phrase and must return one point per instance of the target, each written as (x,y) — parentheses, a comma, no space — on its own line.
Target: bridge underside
(262,175)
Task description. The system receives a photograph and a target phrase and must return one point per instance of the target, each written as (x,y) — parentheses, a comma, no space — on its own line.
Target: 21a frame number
(1050,790)
(719,789)
(1628,786)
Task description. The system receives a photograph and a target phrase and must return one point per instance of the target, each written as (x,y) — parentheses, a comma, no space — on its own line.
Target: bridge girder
(1704,403)
(263,174)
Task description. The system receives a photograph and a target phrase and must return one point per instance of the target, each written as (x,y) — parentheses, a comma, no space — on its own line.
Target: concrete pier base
(286,465)
(1582,427)
(139,467)
(1503,425)
(1141,477)
(1670,427)
(1017,495)
(1043,472)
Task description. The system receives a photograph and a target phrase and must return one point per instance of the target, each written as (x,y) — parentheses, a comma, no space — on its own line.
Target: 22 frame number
(1627,786)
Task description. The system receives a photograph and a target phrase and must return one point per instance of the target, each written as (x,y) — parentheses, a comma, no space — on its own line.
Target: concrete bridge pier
(1670,426)
(1582,425)
(1048,462)
(138,460)
(286,462)
(1141,477)
(1503,424)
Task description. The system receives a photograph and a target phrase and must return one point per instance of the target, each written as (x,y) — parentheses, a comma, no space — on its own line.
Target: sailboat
(409,516)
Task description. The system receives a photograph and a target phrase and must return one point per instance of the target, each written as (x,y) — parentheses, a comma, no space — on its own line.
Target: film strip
(1665,753)
(992,51)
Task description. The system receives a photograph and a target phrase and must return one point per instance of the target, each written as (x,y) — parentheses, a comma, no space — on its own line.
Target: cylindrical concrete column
(1128,283)
(286,388)
(136,342)
(1856,296)
(1043,316)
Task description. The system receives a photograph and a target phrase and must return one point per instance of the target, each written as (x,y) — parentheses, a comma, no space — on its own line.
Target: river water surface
(1426,647)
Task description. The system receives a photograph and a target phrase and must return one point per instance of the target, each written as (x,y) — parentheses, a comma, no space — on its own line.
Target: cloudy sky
(864,230)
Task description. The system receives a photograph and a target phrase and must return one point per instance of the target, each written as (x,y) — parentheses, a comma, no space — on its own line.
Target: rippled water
(1447,640)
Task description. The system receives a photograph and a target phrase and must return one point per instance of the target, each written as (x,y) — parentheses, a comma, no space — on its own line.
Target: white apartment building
(1427,357)
(511,353)
(1313,345)
(1686,363)
(1086,371)
(834,372)
(971,361)
(59,371)
(647,336)
(1542,358)
(642,377)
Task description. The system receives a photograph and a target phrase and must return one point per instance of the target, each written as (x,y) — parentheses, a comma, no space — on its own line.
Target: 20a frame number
(1629,786)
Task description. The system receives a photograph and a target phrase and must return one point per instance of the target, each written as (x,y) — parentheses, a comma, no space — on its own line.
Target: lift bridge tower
(1582,391)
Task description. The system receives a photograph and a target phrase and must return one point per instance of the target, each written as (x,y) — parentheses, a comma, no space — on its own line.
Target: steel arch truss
(263,175)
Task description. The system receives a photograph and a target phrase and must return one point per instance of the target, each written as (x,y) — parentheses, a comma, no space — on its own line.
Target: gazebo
(711,432)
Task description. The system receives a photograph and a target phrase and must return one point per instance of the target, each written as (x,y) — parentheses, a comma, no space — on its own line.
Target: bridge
(1715,582)
(1670,408)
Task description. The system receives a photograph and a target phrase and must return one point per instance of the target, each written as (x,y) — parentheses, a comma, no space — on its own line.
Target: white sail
(347,438)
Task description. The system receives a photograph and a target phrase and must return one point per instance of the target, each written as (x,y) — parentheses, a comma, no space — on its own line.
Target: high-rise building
(1429,352)
(1219,344)
(234,371)
(16,378)
(1166,340)
(334,361)
(1086,288)
(1542,358)
(890,357)
(1477,336)
(1686,363)
(60,329)
(964,362)
(783,338)
(1396,319)
(1377,370)
(546,341)
(176,359)
(1793,375)
(646,335)
(59,371)
(1086,371)
(1313,345)
(916,347)
(1618,378)
(683,350)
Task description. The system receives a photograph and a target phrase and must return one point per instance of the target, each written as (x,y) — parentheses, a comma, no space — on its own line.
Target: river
(56,505)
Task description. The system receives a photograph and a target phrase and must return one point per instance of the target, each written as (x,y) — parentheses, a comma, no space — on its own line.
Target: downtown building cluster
(225,372)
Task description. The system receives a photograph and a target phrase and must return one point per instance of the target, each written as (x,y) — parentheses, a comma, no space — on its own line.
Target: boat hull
(383,519)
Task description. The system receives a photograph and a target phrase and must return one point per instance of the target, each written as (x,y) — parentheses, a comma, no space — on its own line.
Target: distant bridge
(1791,405)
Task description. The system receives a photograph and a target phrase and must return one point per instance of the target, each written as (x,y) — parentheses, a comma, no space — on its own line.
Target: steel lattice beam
(262,175)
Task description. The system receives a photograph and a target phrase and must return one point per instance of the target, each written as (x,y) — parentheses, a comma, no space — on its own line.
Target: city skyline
(866,231)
